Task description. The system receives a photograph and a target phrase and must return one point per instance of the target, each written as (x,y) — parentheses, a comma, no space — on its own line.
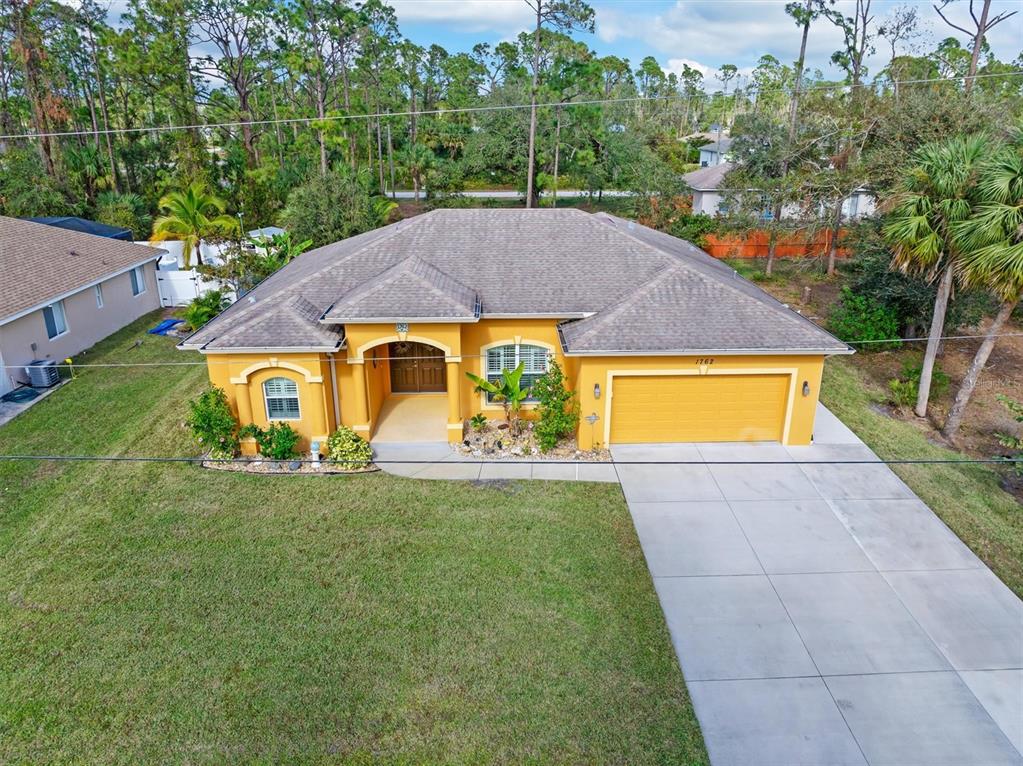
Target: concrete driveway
(822,614)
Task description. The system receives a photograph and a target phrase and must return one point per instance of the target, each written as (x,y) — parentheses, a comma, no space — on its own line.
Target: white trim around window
(98,289)
(138,280)
(281,397)
(55,320)
(535,357)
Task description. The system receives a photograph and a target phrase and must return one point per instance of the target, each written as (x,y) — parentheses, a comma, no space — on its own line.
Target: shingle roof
(411,289)
(40,263)
(709,178)
(565,264)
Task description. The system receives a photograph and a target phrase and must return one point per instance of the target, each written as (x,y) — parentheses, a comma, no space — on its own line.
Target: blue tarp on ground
(164,326)
(72,223)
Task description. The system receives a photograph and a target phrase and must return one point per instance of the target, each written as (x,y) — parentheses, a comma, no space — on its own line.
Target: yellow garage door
(698,408)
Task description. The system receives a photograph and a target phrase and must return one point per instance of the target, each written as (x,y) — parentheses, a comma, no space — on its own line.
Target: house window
(281,397)
(99,296)
(56,321)
(138,281)
(534,360)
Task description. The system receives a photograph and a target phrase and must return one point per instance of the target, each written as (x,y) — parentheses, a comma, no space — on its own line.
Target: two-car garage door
(698,408)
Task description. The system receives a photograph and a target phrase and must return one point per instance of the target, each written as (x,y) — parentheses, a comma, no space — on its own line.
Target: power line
(469,109)
(243,461)
(311,360)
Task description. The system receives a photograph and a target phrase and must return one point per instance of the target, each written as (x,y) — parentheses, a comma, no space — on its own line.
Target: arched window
(281,397)
(534,361)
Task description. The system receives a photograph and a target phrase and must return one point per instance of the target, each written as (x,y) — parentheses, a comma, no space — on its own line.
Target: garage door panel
(684,408)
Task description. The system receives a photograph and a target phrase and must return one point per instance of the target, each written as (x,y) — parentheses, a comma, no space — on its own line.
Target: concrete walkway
(821,613)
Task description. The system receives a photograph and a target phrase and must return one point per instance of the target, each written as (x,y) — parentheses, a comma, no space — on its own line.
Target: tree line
(279,104)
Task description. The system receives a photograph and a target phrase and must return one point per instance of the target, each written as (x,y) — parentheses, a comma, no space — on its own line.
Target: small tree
(557,407)
(190,216)
(335,206)
(507,392)
(213,424)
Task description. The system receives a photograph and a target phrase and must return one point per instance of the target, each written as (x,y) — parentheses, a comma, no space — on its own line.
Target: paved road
(507,194)
(822,614)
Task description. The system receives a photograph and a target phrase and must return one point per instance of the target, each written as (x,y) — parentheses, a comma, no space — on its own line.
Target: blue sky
(702,33)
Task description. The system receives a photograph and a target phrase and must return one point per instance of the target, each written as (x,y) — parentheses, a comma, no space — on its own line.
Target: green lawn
(968,498)
(168,614)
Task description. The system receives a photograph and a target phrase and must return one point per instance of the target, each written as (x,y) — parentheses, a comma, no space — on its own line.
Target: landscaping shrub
(905,388)
(279,441)
(348,449)
(203,308)
(213,424)
(557,408)
(858,318)
(478,421)
(1013,441)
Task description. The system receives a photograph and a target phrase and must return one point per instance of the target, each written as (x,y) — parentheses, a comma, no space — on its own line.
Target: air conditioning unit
(42,373)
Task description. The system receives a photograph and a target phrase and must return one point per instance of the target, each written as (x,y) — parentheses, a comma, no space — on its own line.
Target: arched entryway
(416,368)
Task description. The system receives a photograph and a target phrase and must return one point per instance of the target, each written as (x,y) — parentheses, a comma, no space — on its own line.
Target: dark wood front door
(416,368)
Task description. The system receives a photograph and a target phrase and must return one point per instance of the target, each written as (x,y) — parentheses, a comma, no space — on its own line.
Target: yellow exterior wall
(242,377)
(363,387)
(602,371)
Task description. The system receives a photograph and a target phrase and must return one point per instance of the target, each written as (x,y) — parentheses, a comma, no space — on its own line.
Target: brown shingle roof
(565,264)
(40,263)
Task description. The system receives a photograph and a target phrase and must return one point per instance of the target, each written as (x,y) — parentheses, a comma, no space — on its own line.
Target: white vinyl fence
(179,288)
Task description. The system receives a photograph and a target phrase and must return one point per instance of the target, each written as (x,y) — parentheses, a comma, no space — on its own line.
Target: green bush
(906,387)
(1013,441)
(202,309)
(277,442)
(348,449)
(557,408)
(694,228)
(478,421)
(213,424)
(858,318)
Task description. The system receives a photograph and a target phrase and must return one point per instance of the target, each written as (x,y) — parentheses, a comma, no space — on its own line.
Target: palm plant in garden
(191,216)
(991,246)
(934,198)
(508,392)
(418,160)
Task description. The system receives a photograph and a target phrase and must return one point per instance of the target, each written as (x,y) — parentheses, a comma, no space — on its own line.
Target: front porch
(408,418)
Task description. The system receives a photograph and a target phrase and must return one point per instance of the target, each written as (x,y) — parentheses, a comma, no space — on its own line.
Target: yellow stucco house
(660,341)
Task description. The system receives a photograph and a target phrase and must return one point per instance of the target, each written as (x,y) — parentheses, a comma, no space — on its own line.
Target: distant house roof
(616,287)
(709,178)
(40,264)
(71,223)
(726,145)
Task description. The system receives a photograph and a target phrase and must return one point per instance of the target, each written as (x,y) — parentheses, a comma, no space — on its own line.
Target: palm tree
(991,242)
(418,160)
(933,198)
(191,216)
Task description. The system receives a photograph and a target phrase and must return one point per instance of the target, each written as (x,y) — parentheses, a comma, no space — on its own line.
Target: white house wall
(87,324)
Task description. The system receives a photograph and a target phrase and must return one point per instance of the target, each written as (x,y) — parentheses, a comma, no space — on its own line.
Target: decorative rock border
(302,467)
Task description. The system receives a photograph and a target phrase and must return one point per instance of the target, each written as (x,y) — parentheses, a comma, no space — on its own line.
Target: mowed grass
(162,613)
(968,498)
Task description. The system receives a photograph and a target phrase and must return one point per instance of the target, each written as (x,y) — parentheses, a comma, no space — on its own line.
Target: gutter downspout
(333,389)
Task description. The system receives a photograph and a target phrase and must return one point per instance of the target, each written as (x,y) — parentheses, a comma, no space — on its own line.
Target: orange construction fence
(754,245)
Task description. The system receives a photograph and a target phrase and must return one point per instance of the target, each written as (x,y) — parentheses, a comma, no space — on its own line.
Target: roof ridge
(758,294)
(601,318)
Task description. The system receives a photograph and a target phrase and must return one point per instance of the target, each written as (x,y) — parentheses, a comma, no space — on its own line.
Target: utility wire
(208,362)
(232,460)
(469,109)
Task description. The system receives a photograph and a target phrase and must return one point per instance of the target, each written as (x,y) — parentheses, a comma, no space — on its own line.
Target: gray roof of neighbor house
(40,263)
(709,178)
(618,287)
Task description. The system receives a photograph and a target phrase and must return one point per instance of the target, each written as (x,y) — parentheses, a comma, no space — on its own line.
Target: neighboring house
(62,291)
(708,187)
(716,152)
(660,341)
(71,223)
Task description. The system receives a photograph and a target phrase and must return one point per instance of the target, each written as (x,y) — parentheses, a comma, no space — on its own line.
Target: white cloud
(500,16)
(740,31)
